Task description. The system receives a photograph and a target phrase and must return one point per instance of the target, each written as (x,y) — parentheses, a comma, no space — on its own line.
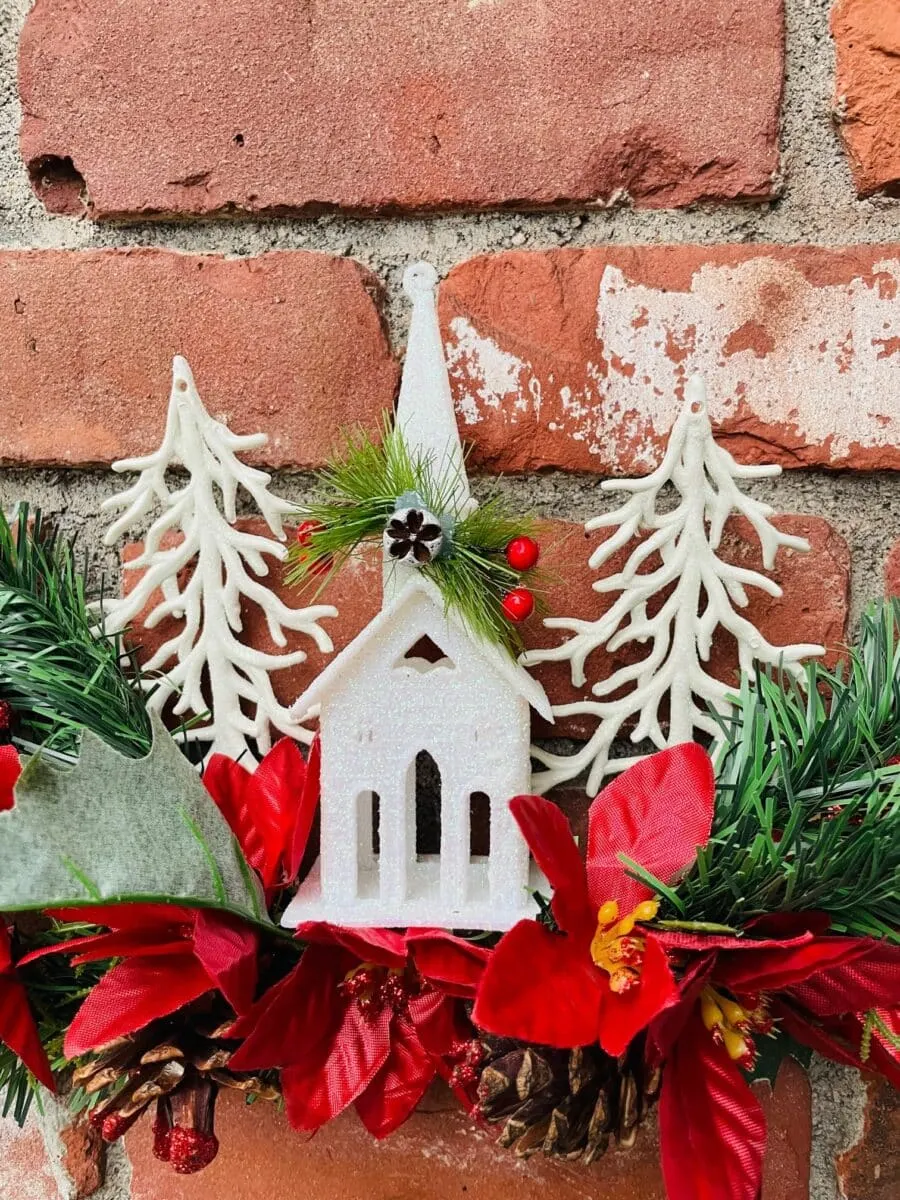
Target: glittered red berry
(522,553)
(191,1150)
(518,605)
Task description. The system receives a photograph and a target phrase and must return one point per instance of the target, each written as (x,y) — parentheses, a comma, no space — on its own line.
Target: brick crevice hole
(58,183)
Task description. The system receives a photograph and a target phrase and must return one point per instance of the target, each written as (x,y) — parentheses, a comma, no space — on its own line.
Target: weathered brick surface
(870,1170)
(812,609)
(438,1153)
(398,104)
(288,343)
(867,90)
(576,359)
(24,1168)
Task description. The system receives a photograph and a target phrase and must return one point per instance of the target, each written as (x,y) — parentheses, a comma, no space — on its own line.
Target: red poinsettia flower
(712,1128)
(368,1017)
(17,1028)
(10,770)
(602,977)
(270,810)
(171,956)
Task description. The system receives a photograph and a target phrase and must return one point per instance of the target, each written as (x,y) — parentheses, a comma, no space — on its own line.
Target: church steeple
(425,413)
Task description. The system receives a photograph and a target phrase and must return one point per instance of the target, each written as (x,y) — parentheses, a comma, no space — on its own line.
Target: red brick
(385,106)
(577,358)
(867,90)
(25,1172)
(812,609)
(437,1154)
(290,344)
(870,1170)
(892,571)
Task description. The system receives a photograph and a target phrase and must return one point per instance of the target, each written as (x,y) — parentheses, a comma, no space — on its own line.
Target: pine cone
(179,1062)
(567,1103)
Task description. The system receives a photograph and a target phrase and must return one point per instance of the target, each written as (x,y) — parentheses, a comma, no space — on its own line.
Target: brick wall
(618,194)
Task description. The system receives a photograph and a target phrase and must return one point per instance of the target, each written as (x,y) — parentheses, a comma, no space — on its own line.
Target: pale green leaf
(113,830)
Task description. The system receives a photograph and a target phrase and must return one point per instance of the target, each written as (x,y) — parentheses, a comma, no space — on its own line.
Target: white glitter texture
(381,703)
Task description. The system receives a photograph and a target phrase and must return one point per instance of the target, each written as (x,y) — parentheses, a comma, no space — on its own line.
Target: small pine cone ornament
(178,1063)
(414,536)
(567,1103)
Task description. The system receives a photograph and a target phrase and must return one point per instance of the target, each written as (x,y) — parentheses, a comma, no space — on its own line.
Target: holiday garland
(723,913)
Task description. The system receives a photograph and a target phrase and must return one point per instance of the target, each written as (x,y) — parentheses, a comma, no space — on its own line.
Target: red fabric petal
(816,1037)
(555,851)
(712,1128)
(332,1073)
(869,980)
(665,1029)
(130,996)
(231,786)
(400,1084)
(303,1008)
(657,813)
(624,1016)
(771,969)
(228,949)
(157,917)
(381,946)
(439,1021)
(10,770)
(450,963)
(279,783)
(17,1027)
(676,939)
(307,807)
(541,987)
(98,946)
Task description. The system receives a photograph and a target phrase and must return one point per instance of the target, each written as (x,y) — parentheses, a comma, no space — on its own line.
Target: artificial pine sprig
(58,669)
(808,798)
(361,489)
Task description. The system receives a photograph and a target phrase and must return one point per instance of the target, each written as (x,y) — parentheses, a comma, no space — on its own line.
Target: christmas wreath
(725,912)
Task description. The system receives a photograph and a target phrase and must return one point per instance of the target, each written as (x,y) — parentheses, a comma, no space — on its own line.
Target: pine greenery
(808,797)
(58,669)
(360,491)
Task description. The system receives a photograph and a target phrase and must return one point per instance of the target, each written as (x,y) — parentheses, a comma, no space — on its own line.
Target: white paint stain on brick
(822,362)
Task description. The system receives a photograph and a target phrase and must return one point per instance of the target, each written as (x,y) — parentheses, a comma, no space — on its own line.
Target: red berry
(162,1136)
(306,529)
(518,605)
(522,553)
(191,1150)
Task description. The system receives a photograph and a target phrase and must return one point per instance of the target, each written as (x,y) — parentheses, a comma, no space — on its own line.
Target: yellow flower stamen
(614,950)
(730,1024)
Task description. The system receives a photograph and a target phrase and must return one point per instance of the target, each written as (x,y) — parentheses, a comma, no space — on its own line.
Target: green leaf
(772,1051)
(114,829)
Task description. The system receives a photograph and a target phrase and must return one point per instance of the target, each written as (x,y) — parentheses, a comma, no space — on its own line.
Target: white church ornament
(705,595)
(223,566)
(418,686)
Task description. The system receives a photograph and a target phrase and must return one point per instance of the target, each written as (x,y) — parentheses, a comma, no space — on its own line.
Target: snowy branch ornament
(205,664)
(705,593)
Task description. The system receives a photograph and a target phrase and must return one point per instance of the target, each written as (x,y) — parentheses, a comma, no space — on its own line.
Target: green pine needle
(361,487)
(808,802)
(58,669)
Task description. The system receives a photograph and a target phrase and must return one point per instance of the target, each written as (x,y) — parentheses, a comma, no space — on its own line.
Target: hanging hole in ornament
(425,655)
(479,825)
(427,807)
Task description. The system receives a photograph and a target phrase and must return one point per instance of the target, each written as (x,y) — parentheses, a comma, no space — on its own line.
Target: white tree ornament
(704,593)
(210,667)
